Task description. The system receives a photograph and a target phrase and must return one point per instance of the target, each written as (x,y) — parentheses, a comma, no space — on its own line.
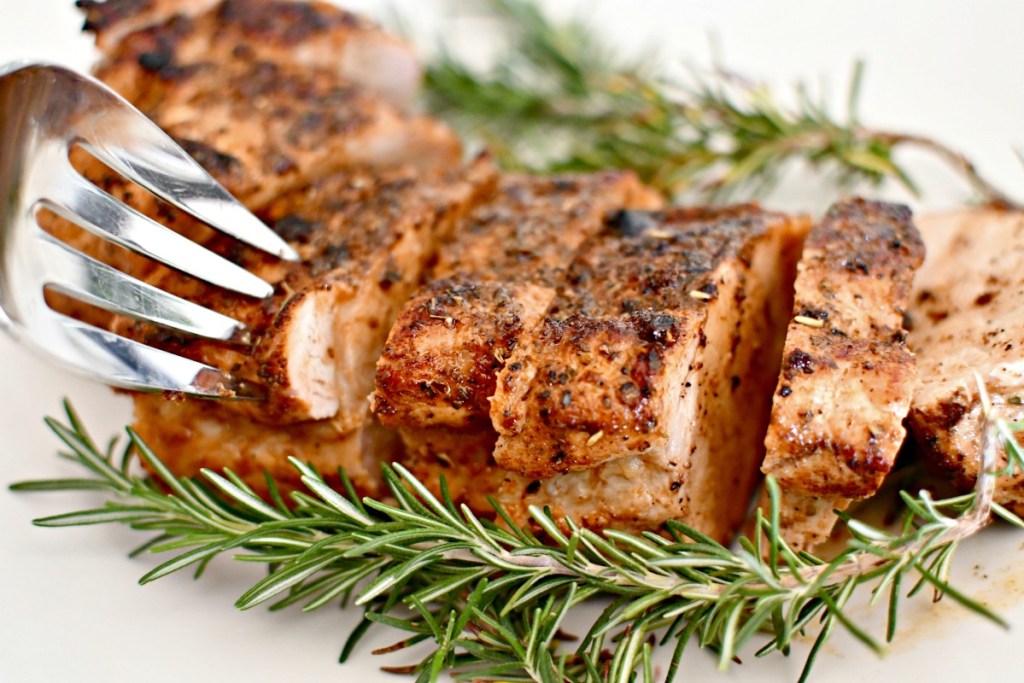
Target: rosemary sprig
(492,597)
(560,100)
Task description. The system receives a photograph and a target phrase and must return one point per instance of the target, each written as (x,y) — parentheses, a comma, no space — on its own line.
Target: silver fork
(44,111)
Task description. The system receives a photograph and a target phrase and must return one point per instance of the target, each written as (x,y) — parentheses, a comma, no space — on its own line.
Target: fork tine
(82,203)
(82,277)
(149,157)
(132,365)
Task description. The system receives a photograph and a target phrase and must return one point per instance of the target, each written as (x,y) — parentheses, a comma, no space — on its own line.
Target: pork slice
(496,278)
(966,319)
(239,88)
(847,376)
(364,240)
(533,227)
(145,36)
(436,376)
(262,129)
(644,393)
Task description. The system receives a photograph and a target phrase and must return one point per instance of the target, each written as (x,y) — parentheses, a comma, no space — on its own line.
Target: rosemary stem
(559,100)
(990,195)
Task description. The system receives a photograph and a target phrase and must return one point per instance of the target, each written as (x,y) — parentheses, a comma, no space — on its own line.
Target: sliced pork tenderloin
(847,377)
(493,283)
(644,393)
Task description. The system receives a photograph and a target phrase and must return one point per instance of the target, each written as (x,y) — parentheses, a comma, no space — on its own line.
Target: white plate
(71,608)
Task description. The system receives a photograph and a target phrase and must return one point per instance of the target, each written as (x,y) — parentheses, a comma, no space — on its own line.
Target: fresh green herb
(492,597)
(560,100)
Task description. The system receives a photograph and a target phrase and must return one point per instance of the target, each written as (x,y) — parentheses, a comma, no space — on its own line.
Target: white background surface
(71,609)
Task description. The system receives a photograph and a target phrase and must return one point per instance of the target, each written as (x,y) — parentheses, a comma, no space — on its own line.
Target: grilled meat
(492,282)
(495,281)
(616,371)
(261,92)
(966,319)
(847,377)
(439,364)
(261,127)
(172,34)
(643,394)
(364,240)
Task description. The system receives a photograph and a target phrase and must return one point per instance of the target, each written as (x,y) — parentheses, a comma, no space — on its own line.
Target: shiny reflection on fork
(44,111)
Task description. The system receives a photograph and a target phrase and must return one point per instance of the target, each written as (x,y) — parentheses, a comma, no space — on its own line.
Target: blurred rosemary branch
(492,598)
(560,99)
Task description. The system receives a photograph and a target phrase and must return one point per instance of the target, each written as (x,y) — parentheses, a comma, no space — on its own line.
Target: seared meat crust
(966,319)
(263,129)
(535,225)
(638,398)
(440,362)
(847,377)
(496,280)
(437,373)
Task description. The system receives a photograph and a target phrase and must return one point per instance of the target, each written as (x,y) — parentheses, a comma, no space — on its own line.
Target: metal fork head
(44,112)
